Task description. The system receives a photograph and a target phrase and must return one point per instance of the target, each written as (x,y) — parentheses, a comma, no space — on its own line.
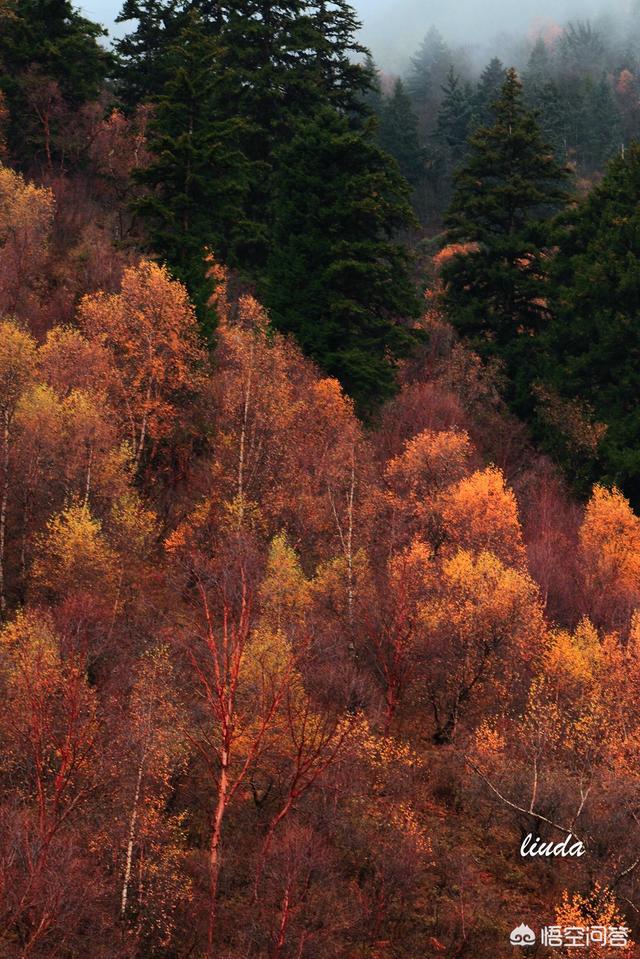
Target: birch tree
(17,370)
(151,331)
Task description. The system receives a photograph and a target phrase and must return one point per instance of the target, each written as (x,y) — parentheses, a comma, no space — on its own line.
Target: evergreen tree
(284,55)
(48,40)
(429,68)
(572,93)
(487,92)
(198,175)
(336,68)
(504,195)
(544,99)
(455,117)
(279,62)
(142,54)
(450,137)
(51,38)
(593,342)
(602,131)
(337,276)
(372,96)
(538,70)
(398,134)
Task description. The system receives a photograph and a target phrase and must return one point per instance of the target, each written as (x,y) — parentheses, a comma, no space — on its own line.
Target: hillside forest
(319,486)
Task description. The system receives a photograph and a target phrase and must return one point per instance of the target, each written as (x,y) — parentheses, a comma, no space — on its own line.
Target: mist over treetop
(500,27)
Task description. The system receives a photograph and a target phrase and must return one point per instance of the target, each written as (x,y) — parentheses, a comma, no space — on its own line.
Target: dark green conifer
(337,275)
(198,177)
(544,99)
(398,134)
(429,68)
(539,68)
(43,41)
(53,39)
(372,95)
(593,342)
(504,195)
(455,117)
(602,131)
(142,53)
(487,92)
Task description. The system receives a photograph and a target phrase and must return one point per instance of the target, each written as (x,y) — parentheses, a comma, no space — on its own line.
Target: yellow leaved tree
(150,330)
(610,552)
(26,216)
(18,362)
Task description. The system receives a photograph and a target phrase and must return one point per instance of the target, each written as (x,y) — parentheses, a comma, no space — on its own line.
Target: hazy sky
(393,28)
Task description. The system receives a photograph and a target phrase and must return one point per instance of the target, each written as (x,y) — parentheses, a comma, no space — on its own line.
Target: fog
(393,29)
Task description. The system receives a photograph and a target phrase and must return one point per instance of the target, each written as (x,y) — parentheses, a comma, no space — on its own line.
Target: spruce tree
(449,140)
(372,98)
(334,65)
(503,197)
(454,117)
(398,134)
(538,70)
(142,54)
(278,63)
(53,39)
(544,99)
(198,177)
(602,131)
(44,40)
(337,276)
(487,92)
(429,68)
(592,346)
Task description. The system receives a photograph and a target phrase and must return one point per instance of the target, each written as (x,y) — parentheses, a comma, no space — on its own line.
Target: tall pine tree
(53,39)
(143,67)
(487,92)
(454,118)
(372,98)
(592,346)
(398,134)
(278,63)
(429,68)
(337,276)
(601,134)
(43,41)
(198,177)
(505,192)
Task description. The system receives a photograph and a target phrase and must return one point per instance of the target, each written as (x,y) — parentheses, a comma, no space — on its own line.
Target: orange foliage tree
(483,629)
(26,214)
(610,546)
(480,513)
(151,331)
(17,370)
(50,730)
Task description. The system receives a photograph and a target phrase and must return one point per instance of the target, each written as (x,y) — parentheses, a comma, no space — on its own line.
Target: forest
(319,487)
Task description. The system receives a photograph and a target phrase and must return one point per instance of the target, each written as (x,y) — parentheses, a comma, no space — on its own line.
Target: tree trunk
(349,550)
(132,832)
(243,436)
(266,845)
(284,922)
(4,498)
(215,850)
